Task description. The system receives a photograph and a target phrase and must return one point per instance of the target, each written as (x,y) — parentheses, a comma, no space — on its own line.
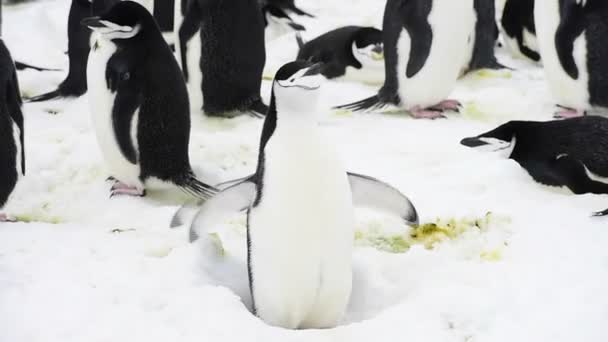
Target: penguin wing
(229,201)
(414,16)
(372,193)
(128,99)
(571,26)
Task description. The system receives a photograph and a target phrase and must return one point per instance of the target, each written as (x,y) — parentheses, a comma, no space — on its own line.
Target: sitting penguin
(571,153)
(12,149)
(353,53)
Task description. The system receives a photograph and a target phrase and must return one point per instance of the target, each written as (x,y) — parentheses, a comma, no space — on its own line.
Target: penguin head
(296,85)
(127,20)
(501,139)
(368,48)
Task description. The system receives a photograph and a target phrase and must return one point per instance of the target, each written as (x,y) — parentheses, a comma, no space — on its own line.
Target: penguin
(288,6)
(571,36)
(139,104)
(79,37)
(519,30)
(232,55)
(300,210)
(164,14)
(12,148)
(484,38)
(277,23)
(425,50)
(571,152)
(352,52)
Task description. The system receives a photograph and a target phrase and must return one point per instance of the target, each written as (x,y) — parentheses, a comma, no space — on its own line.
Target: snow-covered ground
(91,268)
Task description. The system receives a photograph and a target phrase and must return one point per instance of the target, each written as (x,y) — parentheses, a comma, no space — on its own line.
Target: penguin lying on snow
(425,50)
(572,153)
(519,30)
(353,52)
(572,39)
(79,39)
(278,23)
(300,216)
(12,151)
(232,54)
(139,103)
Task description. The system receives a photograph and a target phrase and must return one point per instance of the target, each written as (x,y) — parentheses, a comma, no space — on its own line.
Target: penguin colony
(141,96)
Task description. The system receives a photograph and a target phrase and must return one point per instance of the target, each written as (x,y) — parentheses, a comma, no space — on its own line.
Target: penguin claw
(451,105)
(431,114)
(568,113)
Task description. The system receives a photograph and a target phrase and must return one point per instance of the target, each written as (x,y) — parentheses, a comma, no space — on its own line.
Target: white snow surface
(66,276)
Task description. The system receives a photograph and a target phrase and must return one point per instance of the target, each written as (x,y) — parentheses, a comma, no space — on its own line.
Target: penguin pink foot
(451,105)
(6,218)
(429,113)
(568,113)
(120,188)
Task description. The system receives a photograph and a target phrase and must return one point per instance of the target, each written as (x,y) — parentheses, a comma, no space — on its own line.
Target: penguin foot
(448,105)
(7,218)
(120,188)
(430,113)
(568,113)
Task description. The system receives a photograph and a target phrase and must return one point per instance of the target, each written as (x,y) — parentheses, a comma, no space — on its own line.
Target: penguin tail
(368,104)
(23,66)
(299,40)
(257,109)
(196,188)
(602,213)
(298,11)
(46,96)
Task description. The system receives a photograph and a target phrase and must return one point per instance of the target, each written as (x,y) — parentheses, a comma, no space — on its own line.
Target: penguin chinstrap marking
(232,55)
(12,148)
(79,40)
(426,46)
(300,211)
(352,53)
(278,23)
(484,38)
(139,104)
(569,152)
(571,36)
(519,30)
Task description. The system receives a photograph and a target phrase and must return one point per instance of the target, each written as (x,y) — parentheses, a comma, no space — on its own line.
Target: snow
(91,268)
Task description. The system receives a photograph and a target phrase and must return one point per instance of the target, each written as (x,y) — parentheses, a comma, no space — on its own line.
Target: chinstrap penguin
(572,40)
(139,103)
(519,30)
(426,45)
(300,210)
(571,153)
(352,52)
(232,55)
(12,148)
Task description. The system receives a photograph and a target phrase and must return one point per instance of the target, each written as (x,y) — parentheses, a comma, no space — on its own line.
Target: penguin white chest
(453,26)
(18,148)
(567,91)
(301,233)
(102,102)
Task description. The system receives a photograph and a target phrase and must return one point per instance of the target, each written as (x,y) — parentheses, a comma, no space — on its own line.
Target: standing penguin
(352,52)
(232,54)
(519,29)
(572,153)
(300,216)
(79,40)
(425,50)
(484,38)
(139,103)
(12,149)
(571,36)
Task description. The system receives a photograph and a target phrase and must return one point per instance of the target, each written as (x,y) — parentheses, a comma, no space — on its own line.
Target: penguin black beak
(92,22)
(473,142)
(314,69)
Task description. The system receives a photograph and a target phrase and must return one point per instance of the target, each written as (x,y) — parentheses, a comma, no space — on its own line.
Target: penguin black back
(485,36)
(517,16)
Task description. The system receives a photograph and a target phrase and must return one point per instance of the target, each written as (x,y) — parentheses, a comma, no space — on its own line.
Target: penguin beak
(92,22)
(314,69)
(473,142)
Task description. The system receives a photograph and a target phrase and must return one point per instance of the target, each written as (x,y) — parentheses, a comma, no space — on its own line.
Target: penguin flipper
(421,36)
(227,202)
(372,193)
(571,26)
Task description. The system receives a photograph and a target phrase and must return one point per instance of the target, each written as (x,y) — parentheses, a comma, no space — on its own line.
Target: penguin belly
(301,235)
(566,90)
(102,101)
(453,26)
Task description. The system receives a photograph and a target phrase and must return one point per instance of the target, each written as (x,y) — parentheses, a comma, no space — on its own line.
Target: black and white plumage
(278,23)
(519,30)
(139,103)
(228,70)
(572,39)
(485,35)
(79,40)
(352,52)
(288,6)
(12,148)
(571,153)
(427,43)
(300,207)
